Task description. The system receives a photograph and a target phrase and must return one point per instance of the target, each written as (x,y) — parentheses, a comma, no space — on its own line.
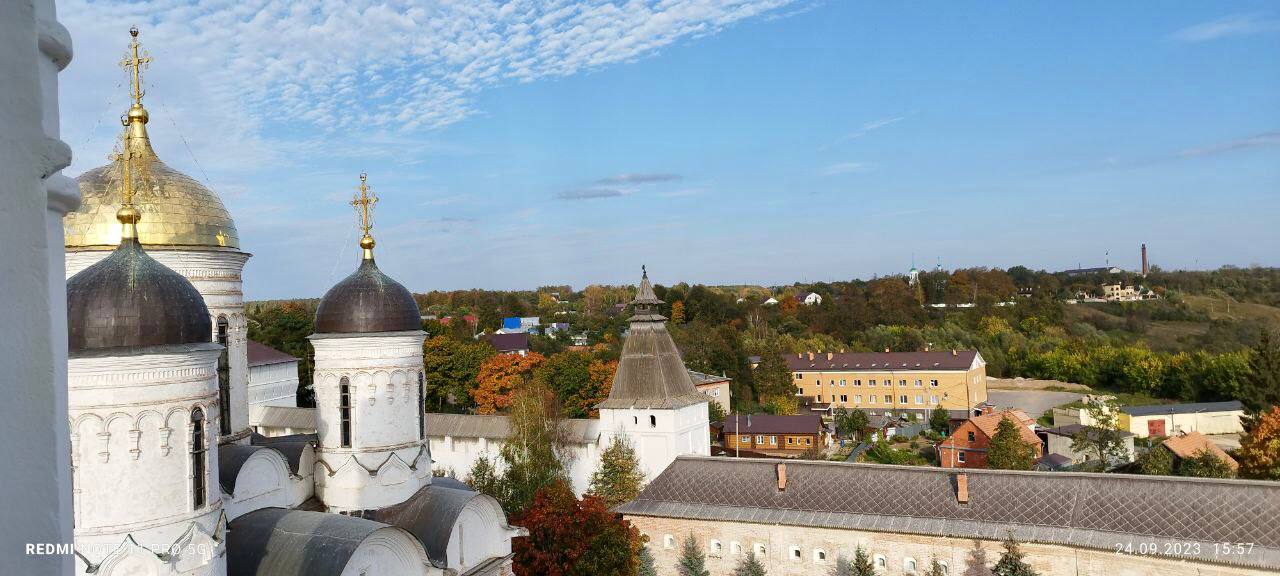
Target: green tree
(940,420)
(618,479)
(862,565)
(692,561)
(646,563)
(450,367)
(715,412)
(851,423)
(749,566)
(1012,562)
(485,479)
(1205,464)
(1262,386)
(1103,439)
(772,377)
(536,454)
(1156,461)
(1008,451)
(936,569)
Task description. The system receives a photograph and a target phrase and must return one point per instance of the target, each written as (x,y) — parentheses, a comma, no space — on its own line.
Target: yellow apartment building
(892,383)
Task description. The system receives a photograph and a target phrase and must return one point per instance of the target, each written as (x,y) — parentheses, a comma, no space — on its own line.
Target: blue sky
(717,141)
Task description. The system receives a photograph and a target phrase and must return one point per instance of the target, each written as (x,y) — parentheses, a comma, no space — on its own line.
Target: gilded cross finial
(364,203)
(135,60)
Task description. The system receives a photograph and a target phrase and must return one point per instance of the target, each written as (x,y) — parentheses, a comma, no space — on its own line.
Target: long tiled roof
(1075,509)
(773,424)
(881,361)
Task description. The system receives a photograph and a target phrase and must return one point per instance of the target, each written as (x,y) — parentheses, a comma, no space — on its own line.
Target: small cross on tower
(364,203)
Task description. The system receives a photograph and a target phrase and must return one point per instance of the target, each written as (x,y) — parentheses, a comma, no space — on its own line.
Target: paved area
(1033,402)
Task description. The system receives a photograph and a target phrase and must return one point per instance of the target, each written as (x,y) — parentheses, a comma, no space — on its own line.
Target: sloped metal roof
(429,515)
(279,542)
(881,361)
(1074,509)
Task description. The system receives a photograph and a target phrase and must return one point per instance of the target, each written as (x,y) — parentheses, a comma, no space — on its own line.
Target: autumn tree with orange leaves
(499,377)
(1259,452)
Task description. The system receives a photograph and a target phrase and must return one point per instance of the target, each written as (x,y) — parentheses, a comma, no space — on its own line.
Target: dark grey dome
(367,301)
(128,299)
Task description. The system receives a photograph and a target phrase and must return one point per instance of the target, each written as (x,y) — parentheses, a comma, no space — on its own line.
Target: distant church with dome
(169,478)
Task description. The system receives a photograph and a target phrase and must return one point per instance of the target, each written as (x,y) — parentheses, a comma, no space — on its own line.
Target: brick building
(799,516)
(967,445)
(772,433)
(892,384)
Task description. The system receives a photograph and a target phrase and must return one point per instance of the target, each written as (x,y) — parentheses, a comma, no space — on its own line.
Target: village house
(893,384)
(717,388)
(769,433)
(967,446)
(1058,442)
(1192,444)
(513,343)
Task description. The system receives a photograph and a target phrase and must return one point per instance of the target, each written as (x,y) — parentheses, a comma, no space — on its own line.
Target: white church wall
(131,452)
(274,384)
(34,195)
(387,460)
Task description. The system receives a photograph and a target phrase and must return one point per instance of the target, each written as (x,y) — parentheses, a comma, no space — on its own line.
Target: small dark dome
(128,299)
(367,301)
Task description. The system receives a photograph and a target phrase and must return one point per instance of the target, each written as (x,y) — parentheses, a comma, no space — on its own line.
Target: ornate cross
(135,63)
(363,203)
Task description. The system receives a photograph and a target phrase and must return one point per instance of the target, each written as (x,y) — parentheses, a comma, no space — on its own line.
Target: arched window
(819,555)
(881,562)
(653,421)
(909,565)
(422,423)
(224,378)
(716,548)
(197,459)
(735,548)
(344,410)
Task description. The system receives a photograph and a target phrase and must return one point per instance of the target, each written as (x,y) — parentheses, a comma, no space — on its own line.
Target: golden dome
(177,211)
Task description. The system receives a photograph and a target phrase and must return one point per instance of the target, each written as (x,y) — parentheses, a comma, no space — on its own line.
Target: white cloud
(1262,140)
(1234,25)
(845,168)
(249,75)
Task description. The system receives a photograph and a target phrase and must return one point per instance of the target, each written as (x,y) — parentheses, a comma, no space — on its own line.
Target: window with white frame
(871,382)
(857,382)
(902,382)
(735,548)
(919,399)
(759,549)
(960,455)
(773,440)
(759,439)
(902,399)
(842,381)
(909,565)
(933,383)
(715,547)
(668,541)
(933,399)
(881,562)
(857,399)
(820,556)
(919,382)
(946,569)
(795,553)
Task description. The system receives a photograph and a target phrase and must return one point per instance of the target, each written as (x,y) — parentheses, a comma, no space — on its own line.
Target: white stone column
(33,351)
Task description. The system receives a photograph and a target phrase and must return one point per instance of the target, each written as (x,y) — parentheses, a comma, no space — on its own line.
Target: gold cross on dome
(364,203)
(135,60)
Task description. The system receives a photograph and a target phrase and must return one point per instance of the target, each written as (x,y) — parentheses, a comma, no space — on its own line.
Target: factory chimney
(1144,259)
